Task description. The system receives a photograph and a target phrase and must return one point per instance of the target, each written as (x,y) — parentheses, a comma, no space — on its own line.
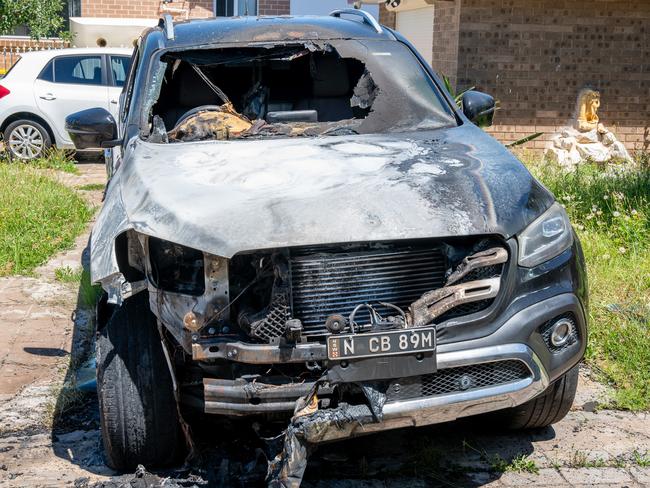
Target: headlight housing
(176,268)
(546,237)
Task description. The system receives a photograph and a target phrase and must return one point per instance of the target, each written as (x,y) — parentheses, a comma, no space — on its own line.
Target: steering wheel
(201,108)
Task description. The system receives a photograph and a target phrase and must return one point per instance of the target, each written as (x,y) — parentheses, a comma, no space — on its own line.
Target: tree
(42,17)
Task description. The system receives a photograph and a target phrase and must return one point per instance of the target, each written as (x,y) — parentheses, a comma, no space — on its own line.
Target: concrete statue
(588,138)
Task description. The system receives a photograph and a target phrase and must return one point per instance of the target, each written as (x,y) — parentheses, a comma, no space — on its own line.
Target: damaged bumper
(502,370)
(446,407)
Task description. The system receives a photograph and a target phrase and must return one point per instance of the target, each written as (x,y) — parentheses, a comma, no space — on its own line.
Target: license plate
(404,341)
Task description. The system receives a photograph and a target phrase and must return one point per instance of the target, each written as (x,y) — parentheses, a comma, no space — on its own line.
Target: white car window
(120,67)
(84,70)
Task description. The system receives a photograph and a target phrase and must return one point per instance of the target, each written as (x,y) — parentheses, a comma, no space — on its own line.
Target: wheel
(137,409)
(546,409)
(26,139)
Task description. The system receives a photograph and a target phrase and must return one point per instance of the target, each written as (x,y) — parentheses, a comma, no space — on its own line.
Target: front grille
(327,281)
(454,380)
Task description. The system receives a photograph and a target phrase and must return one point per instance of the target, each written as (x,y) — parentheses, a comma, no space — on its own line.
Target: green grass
(68,275)
(518,464)
(38,218)
(610,209)
(91,187)
(58,159)
(642,460)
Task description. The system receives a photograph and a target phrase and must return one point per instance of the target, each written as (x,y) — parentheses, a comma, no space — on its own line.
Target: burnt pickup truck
(300,222)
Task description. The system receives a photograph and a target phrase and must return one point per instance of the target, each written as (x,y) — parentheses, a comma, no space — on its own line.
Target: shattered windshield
(291,90)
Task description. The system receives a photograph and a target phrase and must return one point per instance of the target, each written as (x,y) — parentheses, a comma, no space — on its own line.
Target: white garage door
(417,26)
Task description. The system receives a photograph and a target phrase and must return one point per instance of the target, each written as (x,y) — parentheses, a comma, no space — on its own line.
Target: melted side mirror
(479,107)
(93,128)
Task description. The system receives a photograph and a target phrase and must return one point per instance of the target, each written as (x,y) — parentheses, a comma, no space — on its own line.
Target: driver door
(68,84)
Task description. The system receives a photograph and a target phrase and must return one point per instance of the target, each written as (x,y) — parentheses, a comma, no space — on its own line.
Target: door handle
(114,102)
(48,96)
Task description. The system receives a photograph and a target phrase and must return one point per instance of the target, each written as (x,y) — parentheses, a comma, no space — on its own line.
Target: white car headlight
(546,237)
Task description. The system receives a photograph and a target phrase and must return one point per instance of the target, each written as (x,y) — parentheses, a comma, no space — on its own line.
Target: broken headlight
(546,237)
(176,268)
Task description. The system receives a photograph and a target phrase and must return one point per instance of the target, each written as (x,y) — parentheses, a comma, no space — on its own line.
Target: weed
(88,293)
(68,275)
(642,460)
(58,159)
(38,218)
(519,464)
(63,398)
(580,459)
(91,187)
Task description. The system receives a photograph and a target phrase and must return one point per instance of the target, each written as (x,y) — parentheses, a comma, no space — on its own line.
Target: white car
(43,87)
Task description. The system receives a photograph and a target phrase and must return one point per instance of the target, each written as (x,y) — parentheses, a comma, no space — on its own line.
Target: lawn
(610,210)
(38,216)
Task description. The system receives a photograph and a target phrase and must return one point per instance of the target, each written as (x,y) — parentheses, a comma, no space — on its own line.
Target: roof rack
(367,18)
(166,22)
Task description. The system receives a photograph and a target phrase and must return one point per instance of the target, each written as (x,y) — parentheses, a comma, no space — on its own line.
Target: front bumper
(447,407)
(519,339)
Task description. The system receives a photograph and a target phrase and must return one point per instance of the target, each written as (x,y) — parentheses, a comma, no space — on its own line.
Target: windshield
(292,90)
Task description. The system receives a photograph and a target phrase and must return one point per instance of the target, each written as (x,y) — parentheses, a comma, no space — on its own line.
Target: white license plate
(403,341)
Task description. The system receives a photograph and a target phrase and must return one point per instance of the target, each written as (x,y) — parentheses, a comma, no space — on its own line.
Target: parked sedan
(44,87)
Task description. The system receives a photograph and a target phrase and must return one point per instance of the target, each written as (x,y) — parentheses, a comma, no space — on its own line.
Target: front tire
(548,408)
(138,413)
(26,140)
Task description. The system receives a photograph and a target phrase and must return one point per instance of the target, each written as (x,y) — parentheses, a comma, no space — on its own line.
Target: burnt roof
(197,32)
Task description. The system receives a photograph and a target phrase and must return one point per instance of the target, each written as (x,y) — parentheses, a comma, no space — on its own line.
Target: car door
(118,70)
(68,84)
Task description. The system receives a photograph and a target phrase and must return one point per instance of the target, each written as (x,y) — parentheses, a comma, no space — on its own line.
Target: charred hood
(231,196)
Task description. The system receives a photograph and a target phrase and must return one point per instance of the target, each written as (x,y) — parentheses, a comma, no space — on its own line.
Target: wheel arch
(29,116)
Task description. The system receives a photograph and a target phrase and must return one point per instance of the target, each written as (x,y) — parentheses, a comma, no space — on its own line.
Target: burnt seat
(330,90)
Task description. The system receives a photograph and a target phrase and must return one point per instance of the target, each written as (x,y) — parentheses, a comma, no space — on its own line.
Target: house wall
(274,7)
(149,8)
(534,56)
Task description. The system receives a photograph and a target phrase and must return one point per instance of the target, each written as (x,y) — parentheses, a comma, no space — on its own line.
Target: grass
(38,217)
(91,187)
(88,293)
(518,464)
(610,210)
(68,275)
(57,159)
(642,460)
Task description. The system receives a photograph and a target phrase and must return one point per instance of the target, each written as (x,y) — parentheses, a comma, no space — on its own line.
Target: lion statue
(588,105)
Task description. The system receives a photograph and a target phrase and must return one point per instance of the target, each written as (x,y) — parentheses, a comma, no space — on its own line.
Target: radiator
(331,280)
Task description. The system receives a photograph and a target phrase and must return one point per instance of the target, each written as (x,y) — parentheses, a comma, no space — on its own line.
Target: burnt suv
(300,222)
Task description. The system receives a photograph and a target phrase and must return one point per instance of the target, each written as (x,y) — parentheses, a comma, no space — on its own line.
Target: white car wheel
(26,140)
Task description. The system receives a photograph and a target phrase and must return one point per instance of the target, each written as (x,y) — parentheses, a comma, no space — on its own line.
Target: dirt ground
(44,333)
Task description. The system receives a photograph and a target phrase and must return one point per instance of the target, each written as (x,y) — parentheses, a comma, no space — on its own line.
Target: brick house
(534,56)
(193,8)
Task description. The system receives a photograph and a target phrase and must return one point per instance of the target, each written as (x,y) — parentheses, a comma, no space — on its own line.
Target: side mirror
(478,107)
(93,128)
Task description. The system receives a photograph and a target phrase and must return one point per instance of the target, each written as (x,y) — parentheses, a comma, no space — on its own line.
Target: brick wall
(274,7)
(141,8)
(446,28)
(386,17)
(535,56)
(149,8)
